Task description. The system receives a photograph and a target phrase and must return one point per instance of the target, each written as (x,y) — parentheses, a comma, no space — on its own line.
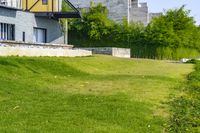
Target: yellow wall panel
(40,7)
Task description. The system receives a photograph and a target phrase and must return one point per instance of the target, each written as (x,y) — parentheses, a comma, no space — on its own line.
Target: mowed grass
(98,94)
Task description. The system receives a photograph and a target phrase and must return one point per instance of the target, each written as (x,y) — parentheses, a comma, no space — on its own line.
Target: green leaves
(173,35)
(174,29)
(95,23)
(186,109)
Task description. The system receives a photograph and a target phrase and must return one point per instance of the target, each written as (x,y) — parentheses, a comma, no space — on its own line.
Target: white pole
(66,33)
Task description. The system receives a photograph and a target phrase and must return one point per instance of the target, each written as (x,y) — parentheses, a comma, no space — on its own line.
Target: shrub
(173,35)
(185,110)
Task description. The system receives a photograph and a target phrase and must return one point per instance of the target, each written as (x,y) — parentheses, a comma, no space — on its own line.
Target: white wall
(14,3)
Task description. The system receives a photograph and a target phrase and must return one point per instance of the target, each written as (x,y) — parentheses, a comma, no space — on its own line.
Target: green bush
(173,35)
(185,117)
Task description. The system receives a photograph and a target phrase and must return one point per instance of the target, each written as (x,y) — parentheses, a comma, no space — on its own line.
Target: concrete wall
(118,9)
(121,52)
(54,31)
(102,50)
(117,52)
(25,50)
(25,22)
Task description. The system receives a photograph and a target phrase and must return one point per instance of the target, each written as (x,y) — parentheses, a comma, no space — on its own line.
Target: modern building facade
(42,5)
(132,10)
(34,21)
(34,5)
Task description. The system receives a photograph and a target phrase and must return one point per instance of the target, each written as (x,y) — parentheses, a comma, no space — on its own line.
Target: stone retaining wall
(41,50)
(117,52)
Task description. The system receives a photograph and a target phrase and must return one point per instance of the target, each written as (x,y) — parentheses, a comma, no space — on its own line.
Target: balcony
(12,3)
(52,9)
(69,12)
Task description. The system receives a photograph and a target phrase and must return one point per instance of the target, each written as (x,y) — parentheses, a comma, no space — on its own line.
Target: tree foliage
(173,29)
(173,35)
(94,23)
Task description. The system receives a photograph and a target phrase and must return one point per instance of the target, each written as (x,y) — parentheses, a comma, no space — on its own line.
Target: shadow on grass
(43,65)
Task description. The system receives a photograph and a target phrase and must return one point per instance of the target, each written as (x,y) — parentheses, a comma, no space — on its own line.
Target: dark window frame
(7,31)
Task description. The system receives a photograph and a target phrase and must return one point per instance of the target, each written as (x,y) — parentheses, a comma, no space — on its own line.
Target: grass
(98,94)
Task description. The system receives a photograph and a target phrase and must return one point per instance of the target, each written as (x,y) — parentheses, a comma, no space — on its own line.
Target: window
(7,31)
(44,2)
(40,35)
(3,2)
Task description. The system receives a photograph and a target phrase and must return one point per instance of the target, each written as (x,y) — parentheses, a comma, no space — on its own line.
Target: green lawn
(98,94)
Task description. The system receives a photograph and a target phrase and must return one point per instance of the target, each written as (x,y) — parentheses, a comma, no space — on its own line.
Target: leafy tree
(160,32)
(95,22)
(173,35)
(173,29)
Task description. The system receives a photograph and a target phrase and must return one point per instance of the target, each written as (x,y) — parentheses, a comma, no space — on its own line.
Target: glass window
(39,35)
(7,31)
(44,2)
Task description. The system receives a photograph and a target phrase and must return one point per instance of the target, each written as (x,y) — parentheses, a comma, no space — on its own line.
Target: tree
(176,28)
(94,23)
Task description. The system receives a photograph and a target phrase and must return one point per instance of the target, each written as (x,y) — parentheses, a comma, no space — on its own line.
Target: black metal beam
(67,15)
(58,15)
(72,6)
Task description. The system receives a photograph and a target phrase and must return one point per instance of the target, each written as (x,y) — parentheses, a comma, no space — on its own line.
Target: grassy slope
(86,95)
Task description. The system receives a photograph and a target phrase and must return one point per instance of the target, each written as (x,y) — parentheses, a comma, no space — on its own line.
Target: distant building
(153,15)
(132,10)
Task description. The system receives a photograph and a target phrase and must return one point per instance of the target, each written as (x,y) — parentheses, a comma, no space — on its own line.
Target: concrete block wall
(102,50)
(116,52)
(26,21)
(121,52)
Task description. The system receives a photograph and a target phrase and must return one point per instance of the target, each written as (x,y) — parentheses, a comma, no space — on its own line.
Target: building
(34,21)
(132,10)
(42,5)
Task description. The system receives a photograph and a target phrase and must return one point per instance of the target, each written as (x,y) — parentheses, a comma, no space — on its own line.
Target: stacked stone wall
(21,49)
